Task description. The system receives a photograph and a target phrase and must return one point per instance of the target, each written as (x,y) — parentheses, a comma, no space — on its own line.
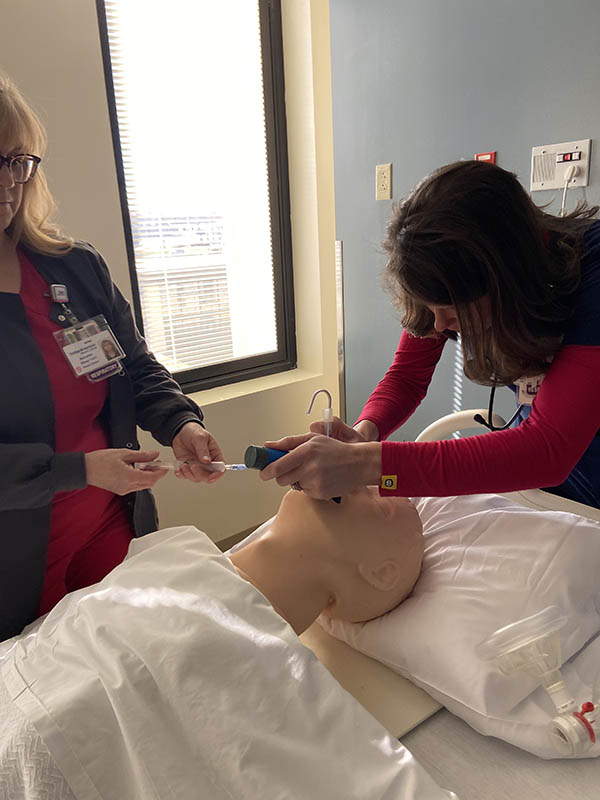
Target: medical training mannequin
(181,674)
(352,561)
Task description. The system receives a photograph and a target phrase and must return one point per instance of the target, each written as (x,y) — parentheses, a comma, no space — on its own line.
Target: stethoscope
(488,423)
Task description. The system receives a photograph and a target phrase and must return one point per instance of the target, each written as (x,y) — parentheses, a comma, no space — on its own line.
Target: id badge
(527,388)
(91,349)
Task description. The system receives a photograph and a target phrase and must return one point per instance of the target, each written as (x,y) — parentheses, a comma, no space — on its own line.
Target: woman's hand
(339,431)
(113,470)
(324,467)
(363,431)
(195,443)
(368,430)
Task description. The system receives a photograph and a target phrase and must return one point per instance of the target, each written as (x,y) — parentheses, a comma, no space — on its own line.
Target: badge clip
(59,293)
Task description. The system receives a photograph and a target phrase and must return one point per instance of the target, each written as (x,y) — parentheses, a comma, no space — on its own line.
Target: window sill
(219,394)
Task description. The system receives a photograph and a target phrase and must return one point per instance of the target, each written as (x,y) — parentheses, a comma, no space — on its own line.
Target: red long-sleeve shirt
(541,452)
(556,445)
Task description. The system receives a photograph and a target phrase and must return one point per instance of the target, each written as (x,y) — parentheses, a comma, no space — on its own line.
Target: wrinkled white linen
(490,562)
(27,770)
(175,678)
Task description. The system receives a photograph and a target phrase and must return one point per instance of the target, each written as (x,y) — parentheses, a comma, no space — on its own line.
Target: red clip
(586,708)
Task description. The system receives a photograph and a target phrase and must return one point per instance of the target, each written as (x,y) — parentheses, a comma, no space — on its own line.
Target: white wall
(52,51)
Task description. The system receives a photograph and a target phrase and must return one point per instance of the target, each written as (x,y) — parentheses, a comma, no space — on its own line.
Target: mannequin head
(353,561)
(371,548)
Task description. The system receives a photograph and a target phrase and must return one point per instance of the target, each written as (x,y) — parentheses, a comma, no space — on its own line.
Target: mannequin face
(371,546)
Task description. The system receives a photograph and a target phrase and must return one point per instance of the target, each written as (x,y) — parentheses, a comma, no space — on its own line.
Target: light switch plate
(383,182)
(548,173)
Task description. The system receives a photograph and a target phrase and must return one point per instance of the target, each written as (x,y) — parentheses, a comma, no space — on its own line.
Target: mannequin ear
(383,577)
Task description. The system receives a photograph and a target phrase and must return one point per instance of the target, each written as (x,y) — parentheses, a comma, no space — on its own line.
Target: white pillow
(488,562)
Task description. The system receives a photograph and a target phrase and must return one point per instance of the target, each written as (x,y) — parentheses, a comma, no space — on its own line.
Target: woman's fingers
(195,446)
(290,442)
(339,430)
(112,469)
(325,467)
(131,456)
(308,464)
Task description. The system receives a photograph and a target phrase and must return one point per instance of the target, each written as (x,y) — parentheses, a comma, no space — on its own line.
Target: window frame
(285,357)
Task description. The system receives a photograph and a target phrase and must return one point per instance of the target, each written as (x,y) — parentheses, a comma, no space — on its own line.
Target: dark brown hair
(468,230)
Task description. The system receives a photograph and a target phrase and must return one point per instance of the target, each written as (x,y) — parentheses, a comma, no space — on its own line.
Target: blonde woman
(70,498)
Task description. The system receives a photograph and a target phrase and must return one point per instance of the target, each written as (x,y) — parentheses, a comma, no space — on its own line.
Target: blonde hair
(21,127)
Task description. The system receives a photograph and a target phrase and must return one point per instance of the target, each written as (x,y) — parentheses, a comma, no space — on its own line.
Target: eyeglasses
(22,167)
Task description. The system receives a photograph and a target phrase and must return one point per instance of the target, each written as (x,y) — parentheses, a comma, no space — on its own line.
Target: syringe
(209,466)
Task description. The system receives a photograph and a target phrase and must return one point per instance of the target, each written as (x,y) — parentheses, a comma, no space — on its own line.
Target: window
(196,97)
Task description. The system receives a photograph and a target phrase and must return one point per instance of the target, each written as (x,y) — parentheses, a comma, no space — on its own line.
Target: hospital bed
(458,757)
(455,755)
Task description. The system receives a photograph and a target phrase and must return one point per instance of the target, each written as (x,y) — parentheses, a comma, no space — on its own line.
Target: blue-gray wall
(424,82)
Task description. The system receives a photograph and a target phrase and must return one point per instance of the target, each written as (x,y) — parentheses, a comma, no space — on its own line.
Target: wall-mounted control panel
(549,162)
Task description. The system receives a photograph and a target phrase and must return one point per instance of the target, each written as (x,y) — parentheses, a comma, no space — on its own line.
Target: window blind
(187,80)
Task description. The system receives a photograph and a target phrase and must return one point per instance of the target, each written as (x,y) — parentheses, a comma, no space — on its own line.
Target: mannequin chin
(353,561)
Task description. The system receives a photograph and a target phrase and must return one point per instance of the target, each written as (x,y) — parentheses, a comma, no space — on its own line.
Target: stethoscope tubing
(488,423)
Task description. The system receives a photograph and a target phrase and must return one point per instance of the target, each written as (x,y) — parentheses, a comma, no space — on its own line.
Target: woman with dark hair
(70,497)
(470,253)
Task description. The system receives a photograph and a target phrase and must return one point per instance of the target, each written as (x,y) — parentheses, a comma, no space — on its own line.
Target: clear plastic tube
(209,466)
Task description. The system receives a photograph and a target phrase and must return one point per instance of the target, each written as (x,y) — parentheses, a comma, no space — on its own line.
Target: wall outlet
(549,162)
(383,182)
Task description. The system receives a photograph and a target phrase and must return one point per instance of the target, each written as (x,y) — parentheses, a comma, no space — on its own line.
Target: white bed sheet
(174,678)
(27,770)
